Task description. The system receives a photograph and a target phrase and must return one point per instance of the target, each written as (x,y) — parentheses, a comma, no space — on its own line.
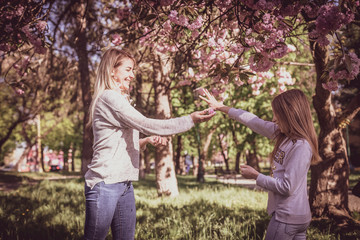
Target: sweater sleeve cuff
(260,180)
(189,121)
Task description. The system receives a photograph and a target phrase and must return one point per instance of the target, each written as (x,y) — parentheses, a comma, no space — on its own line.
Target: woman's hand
(153,140)
(213,103)
(248,172)
(202,116)
(157,141)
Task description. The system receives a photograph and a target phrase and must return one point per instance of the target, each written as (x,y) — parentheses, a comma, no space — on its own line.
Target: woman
(115,163)
(295,148)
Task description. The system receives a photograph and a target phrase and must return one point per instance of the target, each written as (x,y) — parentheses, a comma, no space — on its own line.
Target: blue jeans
(285,231)
(110,205)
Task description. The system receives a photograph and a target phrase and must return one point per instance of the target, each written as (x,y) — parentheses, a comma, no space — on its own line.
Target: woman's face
(124,74)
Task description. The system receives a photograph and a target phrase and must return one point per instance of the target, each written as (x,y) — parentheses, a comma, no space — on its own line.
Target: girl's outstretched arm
(255,123)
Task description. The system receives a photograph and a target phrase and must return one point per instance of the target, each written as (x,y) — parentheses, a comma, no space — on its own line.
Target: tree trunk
(207,143)
(329,178)
(251,157)
(73,150)
(237,162)
(81,51)
(178,165)
(165,171)
(224,153)
(147,161)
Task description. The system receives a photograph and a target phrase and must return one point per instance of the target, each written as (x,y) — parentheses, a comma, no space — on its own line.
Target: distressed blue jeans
(110,205)
(284,231)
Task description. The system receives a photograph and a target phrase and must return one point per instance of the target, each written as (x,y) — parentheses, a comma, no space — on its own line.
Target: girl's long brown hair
(293,114)
(111,59)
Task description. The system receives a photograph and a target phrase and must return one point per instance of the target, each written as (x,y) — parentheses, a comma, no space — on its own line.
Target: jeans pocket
(293,229)
(127,186)
(92,193)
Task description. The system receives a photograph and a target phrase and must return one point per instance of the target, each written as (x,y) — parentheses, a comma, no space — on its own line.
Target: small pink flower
(173,16)
(272,91)
(166,2)
(117,39)
(19,91)
(196,24)
(123,13)
(41,25)
(291,48)
(19,10)
(210,111)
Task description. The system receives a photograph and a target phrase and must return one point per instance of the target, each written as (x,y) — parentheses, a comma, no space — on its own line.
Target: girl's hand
(248,172)
(214,104)
(157,141)
(210,99)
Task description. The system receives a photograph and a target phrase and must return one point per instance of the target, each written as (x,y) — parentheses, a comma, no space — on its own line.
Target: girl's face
(124,74)
(276,121)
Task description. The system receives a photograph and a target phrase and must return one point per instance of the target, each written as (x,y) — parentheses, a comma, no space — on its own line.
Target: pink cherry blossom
(167,26)
(272,91)
(117,39)
(261,65)
(282,88)
(19,10)
(166,2)
(196,24)
(330,86)
(123,13)
(291,48)
(19,91)
(173,16)
(191,72)
(41,25)
(195,34)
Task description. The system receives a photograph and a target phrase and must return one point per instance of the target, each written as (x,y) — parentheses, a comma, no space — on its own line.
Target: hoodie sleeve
(252,121)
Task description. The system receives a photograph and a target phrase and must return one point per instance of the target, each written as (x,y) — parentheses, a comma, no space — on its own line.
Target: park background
(245,52)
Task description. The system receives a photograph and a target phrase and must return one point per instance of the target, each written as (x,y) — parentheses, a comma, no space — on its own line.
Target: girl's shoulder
(300,144)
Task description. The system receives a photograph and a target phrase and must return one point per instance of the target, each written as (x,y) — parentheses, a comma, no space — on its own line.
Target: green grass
(56,210)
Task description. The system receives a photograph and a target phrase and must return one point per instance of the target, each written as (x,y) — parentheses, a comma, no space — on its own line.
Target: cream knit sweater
(116,128)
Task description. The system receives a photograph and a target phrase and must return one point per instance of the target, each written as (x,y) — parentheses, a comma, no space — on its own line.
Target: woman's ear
(113,74)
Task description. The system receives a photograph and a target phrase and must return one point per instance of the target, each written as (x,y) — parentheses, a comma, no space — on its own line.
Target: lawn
(54,209)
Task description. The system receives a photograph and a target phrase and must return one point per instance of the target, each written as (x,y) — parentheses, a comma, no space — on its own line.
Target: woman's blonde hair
(111,59)
(292,111)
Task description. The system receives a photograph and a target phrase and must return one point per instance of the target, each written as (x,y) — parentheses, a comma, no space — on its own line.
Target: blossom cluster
(350,72)
(329,18)
(21,24)
(259,28)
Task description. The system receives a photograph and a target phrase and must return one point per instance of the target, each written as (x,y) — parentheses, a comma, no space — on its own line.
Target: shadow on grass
(55,210)
(199,220)
(47,210)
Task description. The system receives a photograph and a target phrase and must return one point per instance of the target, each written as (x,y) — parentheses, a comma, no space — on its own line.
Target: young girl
(115,163)
(295,148)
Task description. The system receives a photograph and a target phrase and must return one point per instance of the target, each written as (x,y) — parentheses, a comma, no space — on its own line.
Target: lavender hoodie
(116,127)
(288,200)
